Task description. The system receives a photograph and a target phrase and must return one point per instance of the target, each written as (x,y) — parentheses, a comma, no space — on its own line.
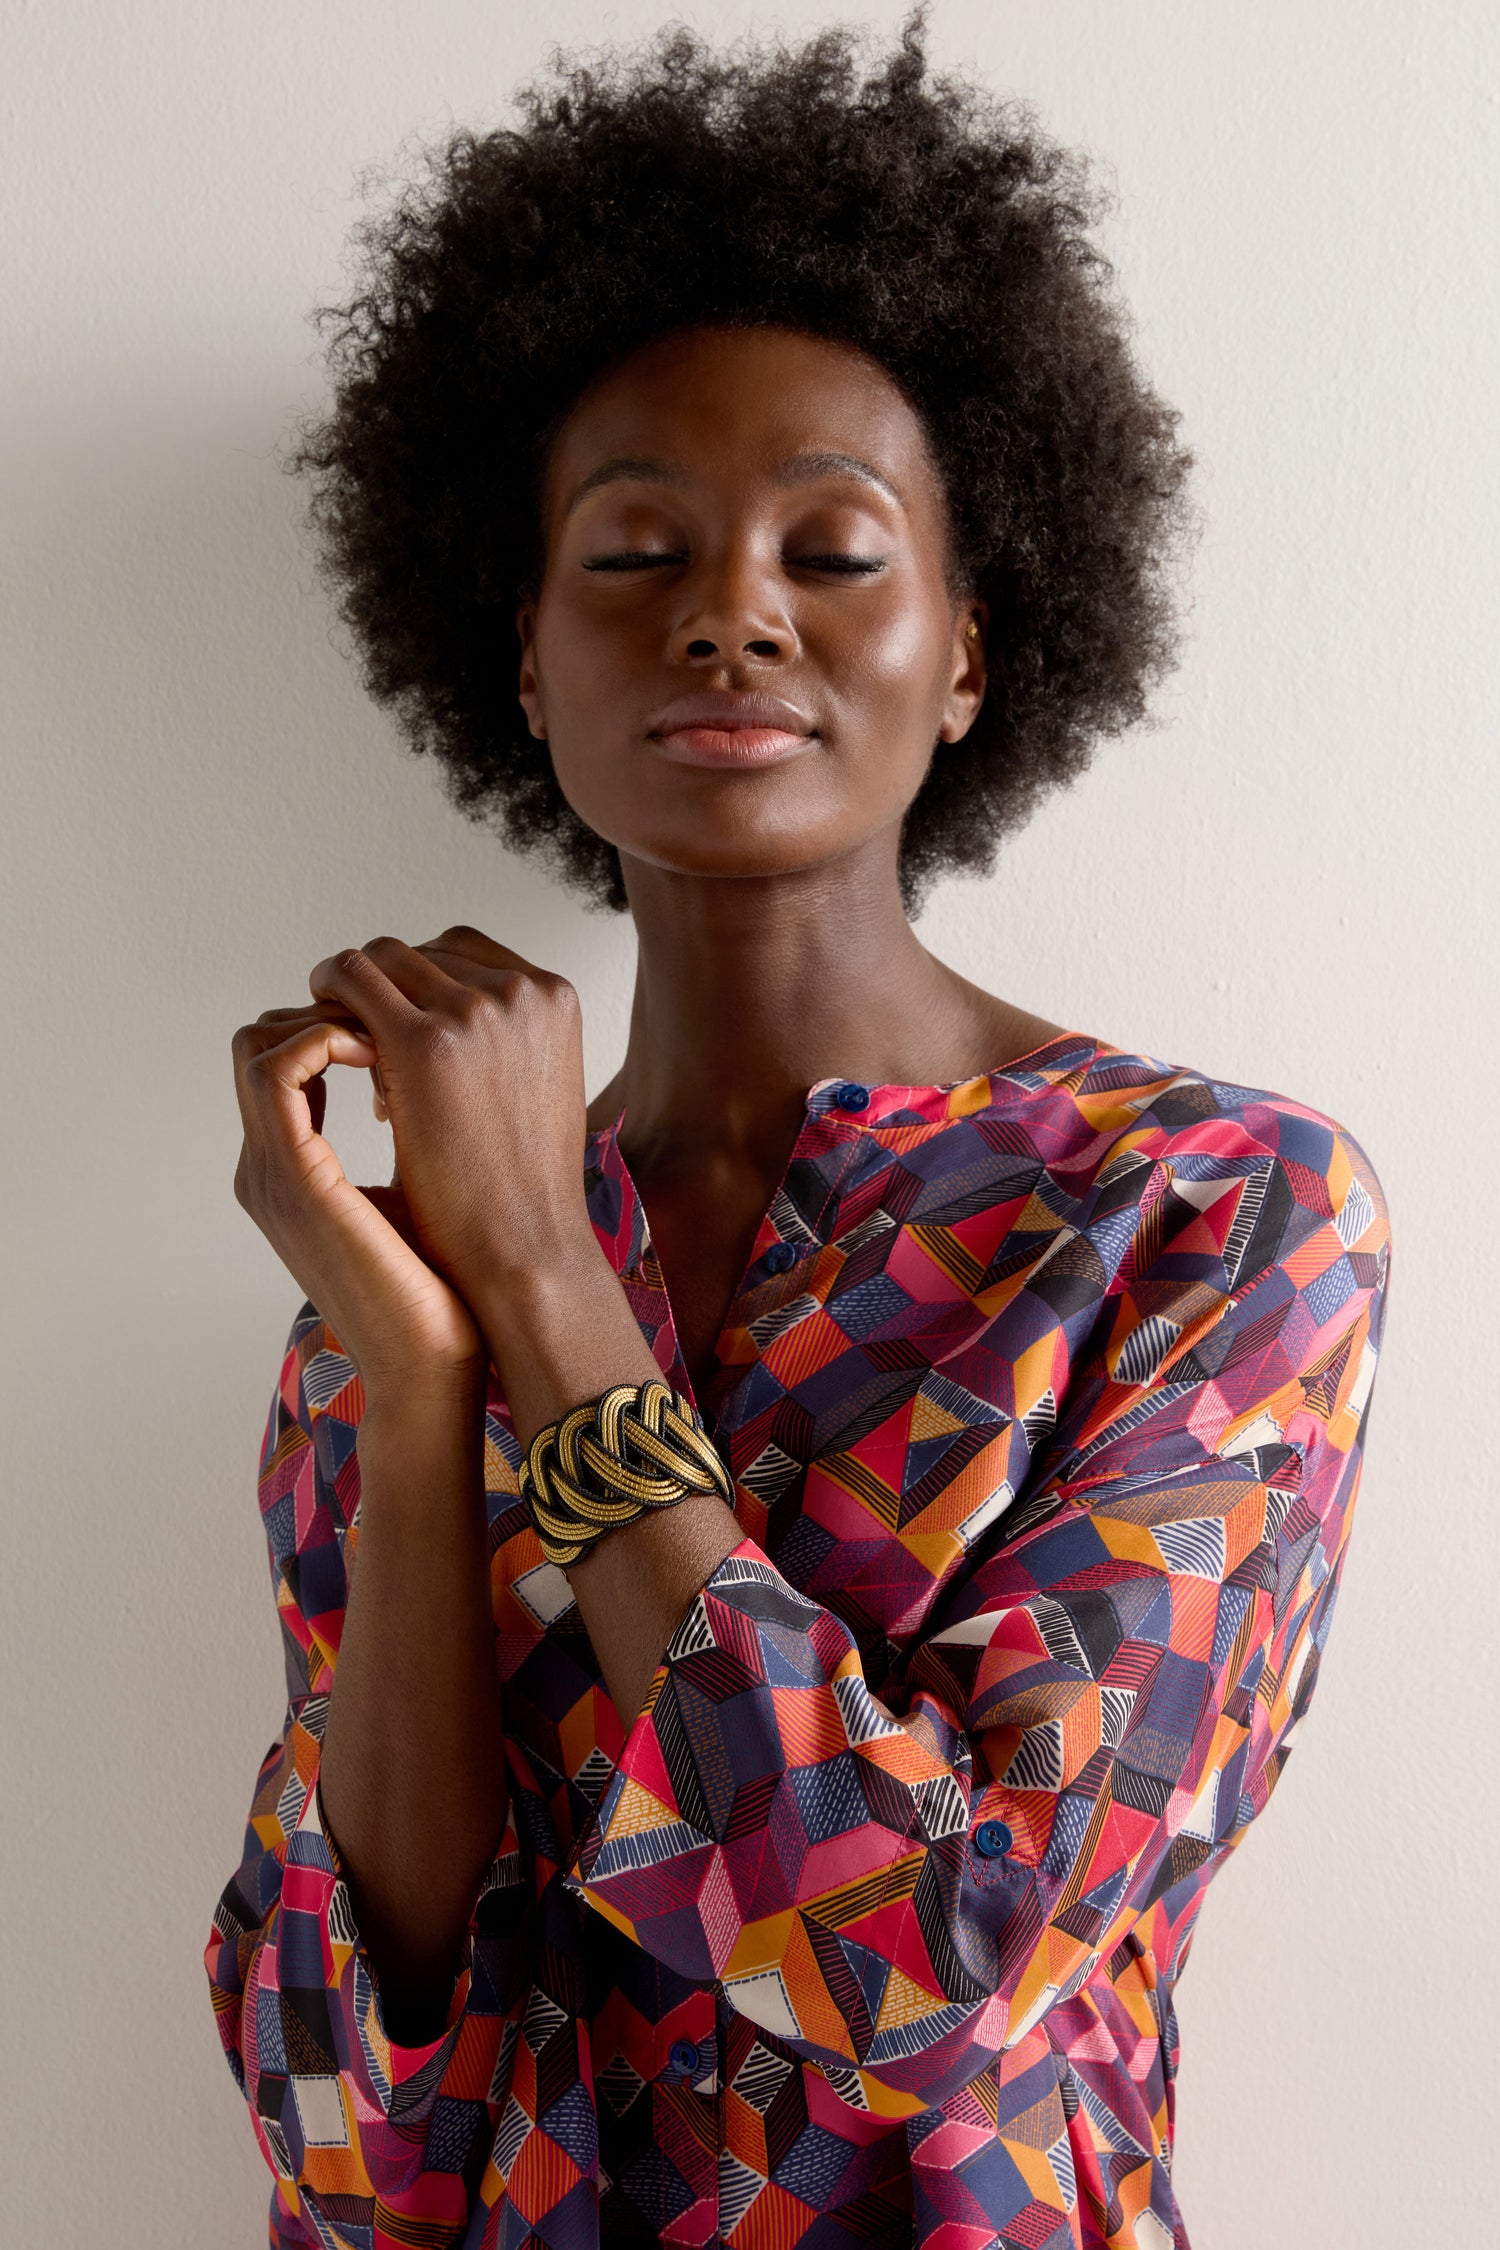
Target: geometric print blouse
(1043,1396)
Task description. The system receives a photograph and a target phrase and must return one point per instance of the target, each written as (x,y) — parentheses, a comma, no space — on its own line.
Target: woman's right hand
(350,1249)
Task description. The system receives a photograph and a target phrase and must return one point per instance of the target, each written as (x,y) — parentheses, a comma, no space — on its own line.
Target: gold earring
(971,631)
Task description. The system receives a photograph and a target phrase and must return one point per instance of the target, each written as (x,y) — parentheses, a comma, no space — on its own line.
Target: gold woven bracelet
(604,1463)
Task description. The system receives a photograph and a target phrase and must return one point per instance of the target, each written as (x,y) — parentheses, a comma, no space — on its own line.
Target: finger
(385,983)
(310,1011)
(461,942)
(278,1076)
(280,1026)
(314,1011)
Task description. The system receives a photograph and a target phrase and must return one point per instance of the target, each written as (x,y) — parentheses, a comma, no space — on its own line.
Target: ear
(529,686)
(970,674)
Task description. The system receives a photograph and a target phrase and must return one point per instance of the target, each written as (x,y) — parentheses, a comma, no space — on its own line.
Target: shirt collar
(852,1106)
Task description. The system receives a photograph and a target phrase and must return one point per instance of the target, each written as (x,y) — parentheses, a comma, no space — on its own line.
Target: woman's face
(744,647)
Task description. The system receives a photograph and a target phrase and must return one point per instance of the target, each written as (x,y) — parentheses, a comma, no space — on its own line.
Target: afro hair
(645,191)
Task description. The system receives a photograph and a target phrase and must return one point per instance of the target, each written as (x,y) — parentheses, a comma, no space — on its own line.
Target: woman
(847,1519)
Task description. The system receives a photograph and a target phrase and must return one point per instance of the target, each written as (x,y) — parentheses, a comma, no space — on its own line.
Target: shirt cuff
(316,1906)
(701,1777)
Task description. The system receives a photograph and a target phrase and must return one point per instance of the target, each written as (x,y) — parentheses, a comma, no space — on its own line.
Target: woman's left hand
(481,1076)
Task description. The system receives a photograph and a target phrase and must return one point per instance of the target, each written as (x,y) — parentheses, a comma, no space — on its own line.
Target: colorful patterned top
(1043,1396)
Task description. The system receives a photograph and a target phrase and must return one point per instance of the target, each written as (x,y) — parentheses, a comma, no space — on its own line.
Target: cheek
(890,688)
(905,647)
(588,683)
(576,655)
(899,655)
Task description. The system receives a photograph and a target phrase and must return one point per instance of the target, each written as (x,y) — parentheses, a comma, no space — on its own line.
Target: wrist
(421,1461)
(429,1392)
(560,1333)
(514,1292)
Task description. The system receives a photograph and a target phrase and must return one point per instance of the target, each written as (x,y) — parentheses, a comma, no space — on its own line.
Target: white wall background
(1290,883)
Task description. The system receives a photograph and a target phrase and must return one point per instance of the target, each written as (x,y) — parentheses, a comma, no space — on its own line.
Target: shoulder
(1205,1133)
(1240,1244)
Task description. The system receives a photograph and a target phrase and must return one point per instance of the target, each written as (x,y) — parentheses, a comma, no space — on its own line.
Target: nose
(729,612)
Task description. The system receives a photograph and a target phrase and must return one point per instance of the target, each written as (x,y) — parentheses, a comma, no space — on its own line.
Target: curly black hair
(930,225)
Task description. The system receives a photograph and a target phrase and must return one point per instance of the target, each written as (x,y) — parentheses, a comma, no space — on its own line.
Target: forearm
(561,1336)
(413,1770)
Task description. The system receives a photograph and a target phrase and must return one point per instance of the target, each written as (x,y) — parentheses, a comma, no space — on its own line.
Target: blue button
(993,1838)
(684,2055)
(781,1257)
(852,1096)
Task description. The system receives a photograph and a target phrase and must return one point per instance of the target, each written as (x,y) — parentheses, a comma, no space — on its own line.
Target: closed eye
(644,558)
(853,566)
(631,558)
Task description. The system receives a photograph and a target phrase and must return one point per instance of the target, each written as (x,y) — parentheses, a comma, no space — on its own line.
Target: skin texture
(773,951)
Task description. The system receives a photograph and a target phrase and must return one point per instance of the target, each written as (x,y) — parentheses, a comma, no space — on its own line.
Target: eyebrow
(622,471)
(802,468)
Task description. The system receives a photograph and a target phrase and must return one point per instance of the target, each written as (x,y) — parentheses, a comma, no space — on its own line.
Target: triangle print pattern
(1044,1398)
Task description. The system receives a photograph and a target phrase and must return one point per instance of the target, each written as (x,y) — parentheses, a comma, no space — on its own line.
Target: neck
(748,990)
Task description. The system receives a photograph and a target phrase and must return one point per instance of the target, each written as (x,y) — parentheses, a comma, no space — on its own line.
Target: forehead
(722,402)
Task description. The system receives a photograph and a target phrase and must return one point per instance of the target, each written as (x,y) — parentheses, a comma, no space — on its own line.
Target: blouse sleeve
(343,2113)
(1103,1699)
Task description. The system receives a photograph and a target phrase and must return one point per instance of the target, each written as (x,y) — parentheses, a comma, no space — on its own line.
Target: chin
(732,858)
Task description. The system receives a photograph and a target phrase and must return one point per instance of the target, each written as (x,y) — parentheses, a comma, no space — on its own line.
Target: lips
(716,727)
(724,711)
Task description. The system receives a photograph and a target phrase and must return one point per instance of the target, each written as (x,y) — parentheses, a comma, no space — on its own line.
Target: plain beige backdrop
(1289,882)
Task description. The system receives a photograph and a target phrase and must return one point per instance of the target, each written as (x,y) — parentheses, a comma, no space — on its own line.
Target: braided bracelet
(604,1463)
